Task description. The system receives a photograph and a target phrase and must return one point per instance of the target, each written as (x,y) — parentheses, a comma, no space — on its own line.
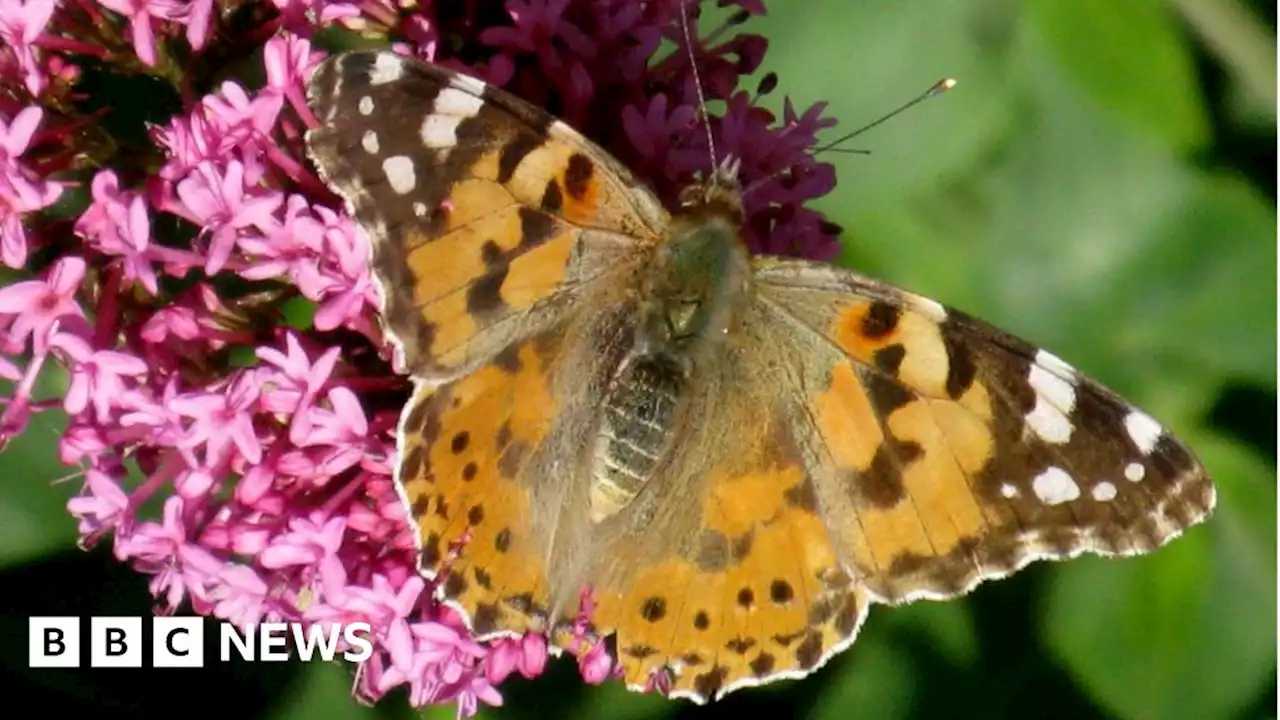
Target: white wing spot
(440,131)
(1008,490)
(1055,486)
(1143,430)
(1055,398)
(452,101)
(1104,491)
(387,68)
(1135,472)
(400,175)
(468,84)
(370,142)
(931,309)
(1054,364)
(365,106)
(420,209)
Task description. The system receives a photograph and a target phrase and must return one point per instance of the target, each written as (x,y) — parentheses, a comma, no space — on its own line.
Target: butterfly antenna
(935,90)
(697,86)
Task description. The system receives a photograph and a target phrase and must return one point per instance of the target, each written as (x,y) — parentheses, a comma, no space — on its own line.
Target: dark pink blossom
(303,16)
(307,542)
(162,548)
(527,654)
(242,598)
(119,224)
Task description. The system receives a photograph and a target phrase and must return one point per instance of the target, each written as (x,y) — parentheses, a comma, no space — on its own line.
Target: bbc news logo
(178,642)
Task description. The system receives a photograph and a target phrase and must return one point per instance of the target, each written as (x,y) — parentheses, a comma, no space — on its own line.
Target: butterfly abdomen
(696,279)
(636,421)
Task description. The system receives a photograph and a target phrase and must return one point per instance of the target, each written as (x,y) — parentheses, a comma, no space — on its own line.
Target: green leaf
(876,678)
(1131,58)
(33,499)
(242,356)
(872,65)
(1188,631)
(947,628)
(1216,289)
(613,701)
(299,312)
(1097,243)
(324,693)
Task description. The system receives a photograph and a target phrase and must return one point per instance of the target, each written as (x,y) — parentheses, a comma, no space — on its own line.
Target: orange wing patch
(465,445)
(757,592)
(472,278)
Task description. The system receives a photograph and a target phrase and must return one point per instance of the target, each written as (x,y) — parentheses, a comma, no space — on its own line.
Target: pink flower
(140,14)
(242,597)
(242,122)
(35,305)
(180,570)
(98,378)
(298,382)
(306,543)
(222,420)
(302,16)
(527,654)
(129,236)
(20,192)
(220,201)
(21,24)
(101,505)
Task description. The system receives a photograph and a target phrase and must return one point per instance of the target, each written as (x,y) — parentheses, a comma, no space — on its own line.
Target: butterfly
(730,457)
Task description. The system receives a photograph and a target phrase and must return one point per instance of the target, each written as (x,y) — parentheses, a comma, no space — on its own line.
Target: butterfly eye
(691,195)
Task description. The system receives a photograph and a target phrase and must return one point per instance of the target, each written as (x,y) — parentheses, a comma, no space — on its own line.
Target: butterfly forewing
(953,452)
(488,217)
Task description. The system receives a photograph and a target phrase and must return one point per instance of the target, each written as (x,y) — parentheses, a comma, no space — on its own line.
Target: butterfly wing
(505,245)
(720,570)
(489,219)
(492,472)
(948,452)
(855,444)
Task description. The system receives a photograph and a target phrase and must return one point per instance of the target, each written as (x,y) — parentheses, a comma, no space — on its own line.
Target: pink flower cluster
(231,402)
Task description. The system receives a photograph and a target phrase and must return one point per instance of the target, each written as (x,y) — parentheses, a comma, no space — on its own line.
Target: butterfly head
(720,192)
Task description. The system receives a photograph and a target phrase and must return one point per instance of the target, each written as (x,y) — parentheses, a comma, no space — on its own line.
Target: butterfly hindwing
(955,452)
(477,474)
(721,572)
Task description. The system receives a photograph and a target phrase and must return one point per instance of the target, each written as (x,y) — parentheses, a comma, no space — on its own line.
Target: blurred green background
(1101,182)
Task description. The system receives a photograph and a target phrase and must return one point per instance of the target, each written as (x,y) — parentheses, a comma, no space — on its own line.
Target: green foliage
(33,515)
